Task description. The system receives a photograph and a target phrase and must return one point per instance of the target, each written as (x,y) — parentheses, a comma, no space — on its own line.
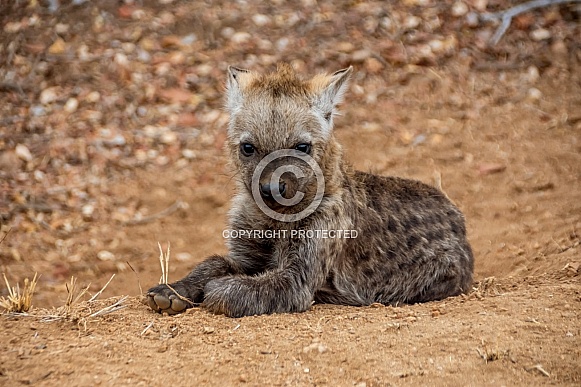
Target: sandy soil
(500,127)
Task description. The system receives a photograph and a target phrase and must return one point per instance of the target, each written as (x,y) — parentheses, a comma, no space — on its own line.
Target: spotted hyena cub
(305,227)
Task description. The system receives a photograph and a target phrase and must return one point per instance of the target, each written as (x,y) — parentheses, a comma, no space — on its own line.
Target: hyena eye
(305,148)
(247,149)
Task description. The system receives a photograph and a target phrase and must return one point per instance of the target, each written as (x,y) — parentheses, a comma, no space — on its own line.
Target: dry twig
(118,305)
(147,328)
(539,368)
(505,17)
(103,288)
(136,275)
(5,235)
(178,205)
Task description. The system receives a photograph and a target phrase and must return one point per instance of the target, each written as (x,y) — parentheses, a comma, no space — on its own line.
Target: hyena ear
(237,79)
(331,93)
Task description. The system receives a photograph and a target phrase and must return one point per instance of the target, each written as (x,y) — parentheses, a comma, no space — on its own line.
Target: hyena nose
(266,189)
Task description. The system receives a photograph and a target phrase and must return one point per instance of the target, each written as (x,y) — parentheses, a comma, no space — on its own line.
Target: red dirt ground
(499,126)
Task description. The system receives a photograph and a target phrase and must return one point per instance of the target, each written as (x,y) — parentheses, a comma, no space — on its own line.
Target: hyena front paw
(162,299)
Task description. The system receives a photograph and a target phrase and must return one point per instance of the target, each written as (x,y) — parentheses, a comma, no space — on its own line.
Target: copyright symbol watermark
(274,185)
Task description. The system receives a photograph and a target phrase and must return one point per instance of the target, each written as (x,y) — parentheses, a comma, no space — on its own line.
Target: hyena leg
(280,291)
(162,298)
(290,288)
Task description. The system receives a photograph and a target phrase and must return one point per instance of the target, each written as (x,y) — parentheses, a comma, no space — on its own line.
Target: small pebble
(168,137)
(105,255)
(282,44)
(260,20)
(48,95)
(360,55)
(128,47)
(459,9)
(540,34)
(71,105)
(121,59)
(411,22)
(87,211)
(23,152)
(61,28)
(534,94)
(184,257)
(93,96)
(228,32)
(472,19)
(37,110)
(436,45)
(532,74)
(240,37)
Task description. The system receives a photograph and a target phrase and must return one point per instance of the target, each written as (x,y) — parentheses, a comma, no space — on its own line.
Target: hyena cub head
(280,125)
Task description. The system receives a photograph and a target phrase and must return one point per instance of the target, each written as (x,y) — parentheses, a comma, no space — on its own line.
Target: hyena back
(410,243)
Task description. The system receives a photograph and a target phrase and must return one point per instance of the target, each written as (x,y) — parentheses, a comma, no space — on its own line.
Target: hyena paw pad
(164,300)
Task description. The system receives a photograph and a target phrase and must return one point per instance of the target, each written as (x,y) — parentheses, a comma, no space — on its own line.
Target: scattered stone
(260,20)
(472,19)
(71,105)
(122,60)
(228,32)
(37,110)
(411,22)
(23,152)
(240,37)
(480,5)
(540,34)
(534,94)
(532,74)
(49,95)
(360,55)
(12,27)
(168,137)
(105,255)
(93,96)
(459,9)
(315,347)
(184,257)
(436,46)
(87,211)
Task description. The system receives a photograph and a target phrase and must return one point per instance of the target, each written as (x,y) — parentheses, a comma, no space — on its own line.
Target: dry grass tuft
(74,310)
(73,297)
(19,301)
